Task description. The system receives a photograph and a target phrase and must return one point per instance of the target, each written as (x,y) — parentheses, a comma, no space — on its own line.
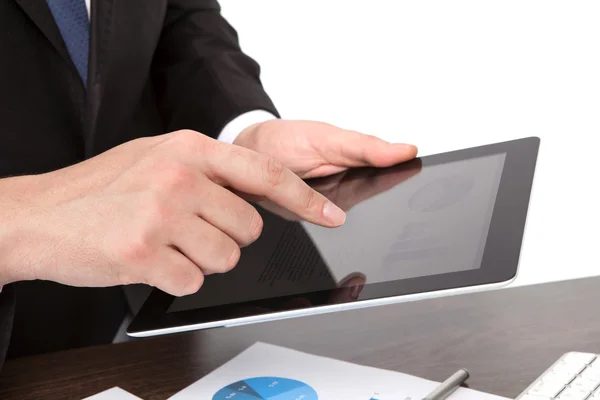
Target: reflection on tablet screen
(434,222)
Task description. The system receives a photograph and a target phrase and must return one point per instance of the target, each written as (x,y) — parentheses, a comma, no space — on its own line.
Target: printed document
(268,372)
(115,393)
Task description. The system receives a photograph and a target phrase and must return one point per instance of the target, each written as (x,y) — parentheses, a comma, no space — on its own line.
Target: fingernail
(355,292)
(406,146)
(334,214)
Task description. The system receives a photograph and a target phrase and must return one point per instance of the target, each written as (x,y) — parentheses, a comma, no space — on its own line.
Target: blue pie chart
(267,388)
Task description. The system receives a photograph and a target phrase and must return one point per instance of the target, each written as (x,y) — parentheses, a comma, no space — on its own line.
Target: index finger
(259,175)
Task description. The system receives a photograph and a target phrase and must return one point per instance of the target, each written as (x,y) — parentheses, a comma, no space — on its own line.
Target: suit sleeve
(203,79)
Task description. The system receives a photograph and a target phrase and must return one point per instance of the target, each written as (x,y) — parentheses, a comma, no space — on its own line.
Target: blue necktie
(72,19)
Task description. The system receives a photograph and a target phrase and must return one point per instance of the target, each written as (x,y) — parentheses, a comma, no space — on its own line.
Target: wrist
(247,137)
(232,130)
(259,136)
(14,203)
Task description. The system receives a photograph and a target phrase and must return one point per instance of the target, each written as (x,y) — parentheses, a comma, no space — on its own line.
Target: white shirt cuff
(231,131)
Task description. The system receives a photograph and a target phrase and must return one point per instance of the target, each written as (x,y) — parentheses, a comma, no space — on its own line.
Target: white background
(446,75)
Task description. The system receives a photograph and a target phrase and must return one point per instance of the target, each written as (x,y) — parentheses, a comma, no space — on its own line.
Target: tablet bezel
(499,263)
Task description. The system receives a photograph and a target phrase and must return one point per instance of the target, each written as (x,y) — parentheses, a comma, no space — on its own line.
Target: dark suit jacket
(155,66)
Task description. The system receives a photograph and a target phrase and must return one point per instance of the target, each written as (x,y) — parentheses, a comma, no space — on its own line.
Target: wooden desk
(506,338)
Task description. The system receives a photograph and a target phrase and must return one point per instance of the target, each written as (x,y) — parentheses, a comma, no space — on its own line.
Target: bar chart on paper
(267,388)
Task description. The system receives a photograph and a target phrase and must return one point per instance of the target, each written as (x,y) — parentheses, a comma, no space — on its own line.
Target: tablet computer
(441,224)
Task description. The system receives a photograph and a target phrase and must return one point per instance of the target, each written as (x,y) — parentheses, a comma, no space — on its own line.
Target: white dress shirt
(234,127)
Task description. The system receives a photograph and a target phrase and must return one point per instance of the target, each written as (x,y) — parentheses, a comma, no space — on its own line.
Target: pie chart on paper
(267,388)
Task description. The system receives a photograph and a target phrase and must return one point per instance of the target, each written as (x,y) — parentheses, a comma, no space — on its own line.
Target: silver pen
(448,386)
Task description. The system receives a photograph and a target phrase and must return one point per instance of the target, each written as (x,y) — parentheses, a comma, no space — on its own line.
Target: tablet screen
(414,221)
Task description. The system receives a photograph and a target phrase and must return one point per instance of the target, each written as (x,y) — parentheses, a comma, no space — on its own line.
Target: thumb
(354,149)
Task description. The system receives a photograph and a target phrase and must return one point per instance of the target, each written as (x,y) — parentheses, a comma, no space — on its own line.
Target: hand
(154,210)
(316,149)
(351,187)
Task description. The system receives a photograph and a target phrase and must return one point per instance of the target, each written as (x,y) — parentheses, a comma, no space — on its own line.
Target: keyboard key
(564,376)
(530,397)
(569,371)
(582,396)
(591,374)
(595,365)
(570,367)
(574,394)
(583,383)
(578,358)
(547,388)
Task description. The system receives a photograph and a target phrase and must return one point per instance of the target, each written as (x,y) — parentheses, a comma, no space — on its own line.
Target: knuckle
(312,200)
(192,143)
(145,280)
(236,152)
(155,212)
(234,258)
(273,172)
(177,279)
(189,282)
(135,252)
(256,226)
(177,176)
(215,152)
(124,277)
(224,253)
(212,153)
(231,258)
(187,137)
(195,143)
(196,283)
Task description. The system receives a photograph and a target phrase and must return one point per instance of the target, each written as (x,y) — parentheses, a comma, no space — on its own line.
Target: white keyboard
(574,376)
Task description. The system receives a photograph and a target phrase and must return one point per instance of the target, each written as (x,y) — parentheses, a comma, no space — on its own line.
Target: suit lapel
(123,39)
(101,37)
(40,14)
